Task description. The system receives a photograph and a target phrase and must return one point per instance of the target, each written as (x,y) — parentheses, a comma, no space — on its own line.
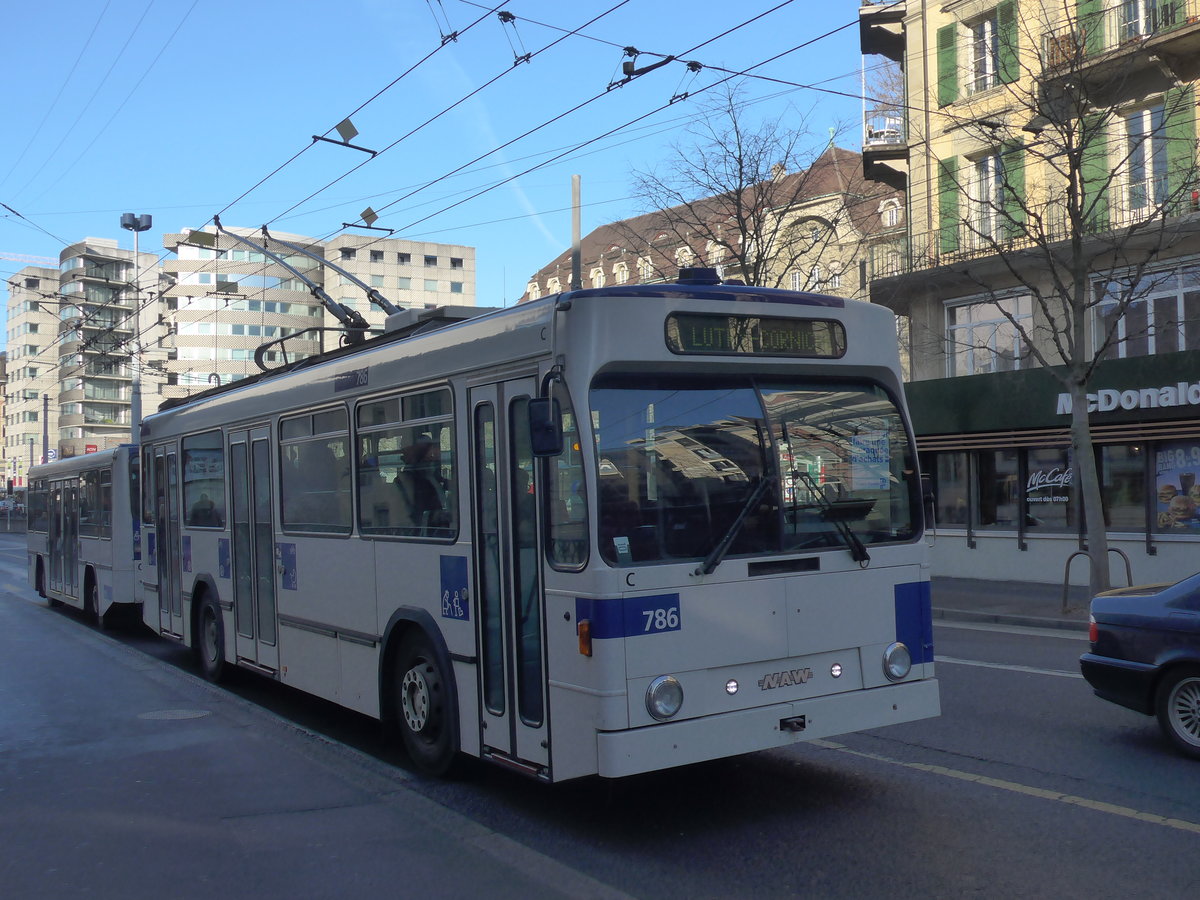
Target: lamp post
(137,224)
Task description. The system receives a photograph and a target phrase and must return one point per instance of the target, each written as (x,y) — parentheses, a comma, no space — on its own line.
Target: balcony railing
(883,130)
(1115,26)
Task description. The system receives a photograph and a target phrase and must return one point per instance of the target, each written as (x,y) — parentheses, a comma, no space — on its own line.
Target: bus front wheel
(424,709)
(210,639)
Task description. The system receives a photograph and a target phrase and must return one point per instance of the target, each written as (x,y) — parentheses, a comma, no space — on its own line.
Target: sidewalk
(1009,603)
(121,776)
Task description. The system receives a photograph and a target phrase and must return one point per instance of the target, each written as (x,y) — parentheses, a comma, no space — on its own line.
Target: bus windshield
(681,459)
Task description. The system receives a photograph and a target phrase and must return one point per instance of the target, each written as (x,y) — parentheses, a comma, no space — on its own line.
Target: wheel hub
(1187,709)
(414,699)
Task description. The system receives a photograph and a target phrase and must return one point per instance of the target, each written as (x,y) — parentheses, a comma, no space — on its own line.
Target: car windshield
(680,460)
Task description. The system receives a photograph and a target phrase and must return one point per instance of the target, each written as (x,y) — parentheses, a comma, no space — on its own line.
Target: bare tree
(740,196)
(1070,197)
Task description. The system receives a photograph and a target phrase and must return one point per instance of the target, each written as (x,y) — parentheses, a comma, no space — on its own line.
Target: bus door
(253,546)
(70,534)
(511,630)
(167,537)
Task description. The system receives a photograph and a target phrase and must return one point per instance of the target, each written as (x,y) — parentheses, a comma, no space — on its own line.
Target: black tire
(91,603)
(1177,704)
(423,706)
(209,640)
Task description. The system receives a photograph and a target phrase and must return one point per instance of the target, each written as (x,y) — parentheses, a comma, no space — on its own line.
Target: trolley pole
(45,429)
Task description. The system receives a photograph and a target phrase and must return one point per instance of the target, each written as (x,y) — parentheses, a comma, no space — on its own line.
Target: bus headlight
(897,661)
(664,697)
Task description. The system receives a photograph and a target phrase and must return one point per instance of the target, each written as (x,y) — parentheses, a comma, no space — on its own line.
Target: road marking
(1070,634)
(1016,787)
(1008,668)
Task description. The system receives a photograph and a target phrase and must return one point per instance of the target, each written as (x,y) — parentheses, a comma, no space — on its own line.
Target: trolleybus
(83,531)
(604,532)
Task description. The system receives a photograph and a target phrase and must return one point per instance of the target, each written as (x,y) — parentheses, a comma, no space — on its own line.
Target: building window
(404,283)
(534,290)
(456,262)
(983,52)
(1158,314)
(349,253)
(814,277)
(597,278)
(456,287)
(1137,18)
(377,256)
(889,213)
(645,270)
(621,273)
(403,259)
(553,286)
(431,262)
(431,284)
(377,281)
(987,200)
(33,283)
(983,336)
(1145,175)
(835,275)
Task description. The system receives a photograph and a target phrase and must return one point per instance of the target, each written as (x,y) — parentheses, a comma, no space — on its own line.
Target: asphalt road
(1027,786)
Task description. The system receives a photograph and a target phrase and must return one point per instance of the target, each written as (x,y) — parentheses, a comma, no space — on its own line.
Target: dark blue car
(1146,655)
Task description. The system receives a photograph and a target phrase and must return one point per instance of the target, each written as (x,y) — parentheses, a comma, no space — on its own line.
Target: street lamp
(137,224)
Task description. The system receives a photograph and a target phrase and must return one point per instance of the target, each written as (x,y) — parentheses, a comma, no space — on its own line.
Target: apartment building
(1048,151)
(836,231)
(188,320)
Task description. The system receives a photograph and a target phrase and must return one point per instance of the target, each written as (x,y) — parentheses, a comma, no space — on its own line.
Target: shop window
(952,488)
(1177,496)
(1123,486)
(999,490)
(1051,502)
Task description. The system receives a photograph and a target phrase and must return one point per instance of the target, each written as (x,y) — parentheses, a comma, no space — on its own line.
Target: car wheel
(210,640)
(424,709)
(1178,707)
(92,605)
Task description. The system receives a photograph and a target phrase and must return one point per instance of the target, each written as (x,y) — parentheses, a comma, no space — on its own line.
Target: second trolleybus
(603,532)
(83,531)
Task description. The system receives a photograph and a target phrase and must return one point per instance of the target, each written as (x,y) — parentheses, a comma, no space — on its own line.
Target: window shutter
(1012,157)
(948,204)
(947,64)
(1008,64)
(1090,14)
(1094,174)
(1180,127)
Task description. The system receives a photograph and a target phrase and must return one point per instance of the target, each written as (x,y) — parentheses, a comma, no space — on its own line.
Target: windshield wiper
(837,517)
(718,552)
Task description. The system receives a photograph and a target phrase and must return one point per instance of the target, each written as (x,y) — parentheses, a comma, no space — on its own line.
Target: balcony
(1123,38)
(885,148)
(881,28)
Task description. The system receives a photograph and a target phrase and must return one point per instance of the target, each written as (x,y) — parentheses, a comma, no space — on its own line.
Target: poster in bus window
(870,458)
(1177,500)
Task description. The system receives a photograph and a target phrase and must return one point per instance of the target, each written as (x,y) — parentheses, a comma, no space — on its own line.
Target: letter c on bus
(629,578)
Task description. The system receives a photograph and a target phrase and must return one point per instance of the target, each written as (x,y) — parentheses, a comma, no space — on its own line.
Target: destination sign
(755,336)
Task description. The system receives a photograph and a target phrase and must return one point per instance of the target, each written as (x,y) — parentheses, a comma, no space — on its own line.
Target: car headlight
(664,697)
(897,661)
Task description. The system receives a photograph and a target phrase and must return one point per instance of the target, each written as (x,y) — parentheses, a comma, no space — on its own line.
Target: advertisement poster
(1177,499)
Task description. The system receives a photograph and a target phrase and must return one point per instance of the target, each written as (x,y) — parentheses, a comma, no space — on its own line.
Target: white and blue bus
(83,531)
(603,532)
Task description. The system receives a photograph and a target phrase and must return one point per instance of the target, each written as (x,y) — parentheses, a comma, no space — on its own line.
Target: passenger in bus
(204,513)
(422,488)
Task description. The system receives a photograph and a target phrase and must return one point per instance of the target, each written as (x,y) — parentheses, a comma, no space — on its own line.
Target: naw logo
(786,678)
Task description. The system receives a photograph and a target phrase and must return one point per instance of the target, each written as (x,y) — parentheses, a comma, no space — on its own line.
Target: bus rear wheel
(424,709)
(210,639)
(91,604)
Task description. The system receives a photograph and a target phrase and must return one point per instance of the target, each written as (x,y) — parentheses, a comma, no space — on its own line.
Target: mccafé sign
(1108,399)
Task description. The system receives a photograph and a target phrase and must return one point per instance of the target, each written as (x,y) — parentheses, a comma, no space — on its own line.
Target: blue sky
(179,108)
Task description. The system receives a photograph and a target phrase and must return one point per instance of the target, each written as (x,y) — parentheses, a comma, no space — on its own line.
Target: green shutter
(947,64)
(1090,14)
(948,216)
(1170,15)
(1094,174)
(1008,65)
(1012,157)
(1180,127)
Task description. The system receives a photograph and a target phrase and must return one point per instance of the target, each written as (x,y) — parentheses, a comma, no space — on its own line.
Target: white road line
(1028,790)
(1008,668)
(1069,634)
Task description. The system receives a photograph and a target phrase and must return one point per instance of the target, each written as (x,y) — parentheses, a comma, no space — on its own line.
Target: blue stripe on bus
(620,617)
(914,620)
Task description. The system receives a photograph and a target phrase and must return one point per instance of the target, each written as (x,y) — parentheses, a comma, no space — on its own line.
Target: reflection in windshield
(678,461)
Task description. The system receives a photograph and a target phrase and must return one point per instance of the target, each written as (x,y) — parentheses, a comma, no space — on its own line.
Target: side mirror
(545,427)
(927,497)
